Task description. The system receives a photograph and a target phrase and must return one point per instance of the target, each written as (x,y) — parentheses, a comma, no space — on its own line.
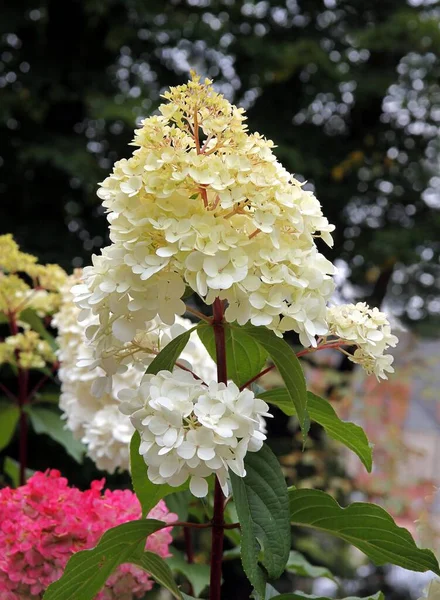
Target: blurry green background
(348,90)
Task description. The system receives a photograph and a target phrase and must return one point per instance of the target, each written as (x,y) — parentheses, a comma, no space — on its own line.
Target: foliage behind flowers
(218,214)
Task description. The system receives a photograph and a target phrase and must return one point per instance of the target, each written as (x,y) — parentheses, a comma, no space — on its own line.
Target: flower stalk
(219,500)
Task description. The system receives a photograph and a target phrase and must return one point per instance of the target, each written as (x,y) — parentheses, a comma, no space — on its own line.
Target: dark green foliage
(346,90)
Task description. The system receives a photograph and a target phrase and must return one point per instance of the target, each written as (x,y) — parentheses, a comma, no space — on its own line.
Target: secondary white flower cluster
(106,432)
(202,203)
(189,430)
(369,330)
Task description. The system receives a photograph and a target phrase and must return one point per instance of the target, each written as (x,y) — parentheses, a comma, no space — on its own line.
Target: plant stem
(218,524)
(22,400)
(22,397)
(189,550)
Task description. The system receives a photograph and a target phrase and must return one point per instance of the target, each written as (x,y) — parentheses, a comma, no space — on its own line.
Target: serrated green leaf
(261,501)
(167,357)
(244,356)
(30,316)
(322,412)
(48,421)
(304,596)
(147,493)
(367,526)
(289,368)
(88,570)
(159,570)
(196,574)
(299,565)
(9,415)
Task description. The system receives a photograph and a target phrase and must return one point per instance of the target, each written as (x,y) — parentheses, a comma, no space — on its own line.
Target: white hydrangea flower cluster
(106,432)
(203,203)
(190,430)
(369,330)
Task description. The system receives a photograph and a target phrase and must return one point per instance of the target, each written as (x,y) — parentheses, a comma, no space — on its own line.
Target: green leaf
(322,412)
(186,597)
(367,526)
(30,316)
(299,565)
(147,493)
(9,415)
(289,368)
(245,358)
(178,502)
(166,359)
(159,570)
(47,421)
(304,596)
(88,570)
(261,501)
(196,574)
(11,468)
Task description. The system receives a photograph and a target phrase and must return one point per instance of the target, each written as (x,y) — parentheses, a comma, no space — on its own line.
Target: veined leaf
(299,565)
(196,574)
(322,412)
(88,570)
(261,501)
(159,570)
(9,415)
(289,368)
(244,356)
(167,357)
(367,526)
(47,421)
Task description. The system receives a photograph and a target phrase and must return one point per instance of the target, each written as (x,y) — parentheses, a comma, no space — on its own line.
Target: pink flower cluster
(45,521)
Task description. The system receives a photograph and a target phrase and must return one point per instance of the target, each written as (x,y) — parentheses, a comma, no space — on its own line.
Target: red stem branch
(22,397)
(335,344)
(218,522)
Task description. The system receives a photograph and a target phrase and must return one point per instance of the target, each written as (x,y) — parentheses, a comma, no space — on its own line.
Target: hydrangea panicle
(45,521)
(205,204)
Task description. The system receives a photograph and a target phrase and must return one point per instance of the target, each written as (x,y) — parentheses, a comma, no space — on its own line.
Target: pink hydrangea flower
(45,521)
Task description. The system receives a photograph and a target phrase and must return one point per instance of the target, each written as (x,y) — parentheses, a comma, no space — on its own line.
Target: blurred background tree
(348,89)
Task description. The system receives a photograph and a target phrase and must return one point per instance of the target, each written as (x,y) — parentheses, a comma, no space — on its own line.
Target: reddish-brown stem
(260,374)
(188,545)
(189,550)
(8,392)
(22,398)
(198,314)
(22,401)
(218,521)
(201,525)
(335,344)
